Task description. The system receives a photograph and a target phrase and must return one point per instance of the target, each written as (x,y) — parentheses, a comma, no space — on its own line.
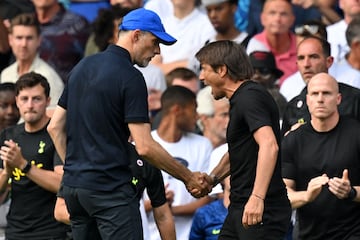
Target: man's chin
(143,64)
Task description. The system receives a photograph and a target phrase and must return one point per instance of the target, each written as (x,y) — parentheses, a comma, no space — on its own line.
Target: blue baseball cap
(149,21)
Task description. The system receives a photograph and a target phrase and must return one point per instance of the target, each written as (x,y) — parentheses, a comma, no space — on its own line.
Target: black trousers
(275,224)
(97,215)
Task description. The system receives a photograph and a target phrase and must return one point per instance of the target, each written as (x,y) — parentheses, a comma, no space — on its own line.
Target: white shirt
(153,76)
(336,38)
(292,86)
(163,8)
(215,158)
(191,33)
(10,74)
(343,72)
(256,45)
(193,151)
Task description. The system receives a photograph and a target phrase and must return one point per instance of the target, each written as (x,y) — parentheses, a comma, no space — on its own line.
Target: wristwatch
(352,194)
(27,167)
(215,180)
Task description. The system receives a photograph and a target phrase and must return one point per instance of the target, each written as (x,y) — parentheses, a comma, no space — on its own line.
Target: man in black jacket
(313,56)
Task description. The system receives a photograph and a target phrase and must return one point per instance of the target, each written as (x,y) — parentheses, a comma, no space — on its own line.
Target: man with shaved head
(320,163)
(313,57)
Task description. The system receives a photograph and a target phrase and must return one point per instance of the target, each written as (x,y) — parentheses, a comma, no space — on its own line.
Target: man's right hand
(199,185)
(315,186)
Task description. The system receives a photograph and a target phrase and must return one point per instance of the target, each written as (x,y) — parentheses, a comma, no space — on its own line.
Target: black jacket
(297,110)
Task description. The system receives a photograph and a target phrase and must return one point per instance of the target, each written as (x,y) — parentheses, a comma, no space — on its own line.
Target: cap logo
(260,55)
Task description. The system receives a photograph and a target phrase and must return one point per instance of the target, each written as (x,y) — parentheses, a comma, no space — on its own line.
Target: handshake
(200,184)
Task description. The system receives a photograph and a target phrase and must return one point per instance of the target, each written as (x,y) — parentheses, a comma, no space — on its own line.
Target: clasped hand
(199,185)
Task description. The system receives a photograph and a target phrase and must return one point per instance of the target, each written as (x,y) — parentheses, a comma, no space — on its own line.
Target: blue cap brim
(164,38)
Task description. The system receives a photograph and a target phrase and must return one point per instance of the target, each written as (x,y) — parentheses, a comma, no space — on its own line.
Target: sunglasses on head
(312,29)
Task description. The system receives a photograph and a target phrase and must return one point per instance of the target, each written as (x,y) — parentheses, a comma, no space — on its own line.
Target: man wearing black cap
(267,74)
(103,104)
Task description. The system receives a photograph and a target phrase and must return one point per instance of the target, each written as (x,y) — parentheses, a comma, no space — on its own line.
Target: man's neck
(168,131)
(24,66)
(34,127)
(279,43)
(230,34)
(325,125)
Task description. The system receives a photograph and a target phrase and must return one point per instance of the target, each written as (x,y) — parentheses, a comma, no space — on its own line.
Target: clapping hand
(10,153)
(340,187)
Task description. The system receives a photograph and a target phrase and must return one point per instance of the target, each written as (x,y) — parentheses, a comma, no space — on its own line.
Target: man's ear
(136,34)
(222,70)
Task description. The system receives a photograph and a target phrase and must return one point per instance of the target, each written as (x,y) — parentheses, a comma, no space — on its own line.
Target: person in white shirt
(163,8)
(191,27)
(175,134)
(336,31)
(347,70)
(24,39)
(293,85)
(213,116)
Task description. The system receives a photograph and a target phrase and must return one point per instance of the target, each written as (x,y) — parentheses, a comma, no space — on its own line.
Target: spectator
(221,14)
(336,31)
(191,28)
(327,8)
(8,10)
(63,36)
(347,70)
(9,116)
(105,29)
(267,74)
(29,159)
(24,38)
(277,17)
(301,15)
(175,134)
(213,116)
(313,56)
(208,220)
(293,85)
(177,77)
(9,113)
(242,15)
(130,4)
(318,176)
(164,8)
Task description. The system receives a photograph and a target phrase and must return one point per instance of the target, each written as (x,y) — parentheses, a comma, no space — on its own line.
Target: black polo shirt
(104,93)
